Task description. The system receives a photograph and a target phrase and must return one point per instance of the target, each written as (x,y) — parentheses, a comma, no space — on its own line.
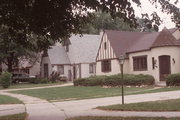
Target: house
(24,65)
(75,59)
(153,53)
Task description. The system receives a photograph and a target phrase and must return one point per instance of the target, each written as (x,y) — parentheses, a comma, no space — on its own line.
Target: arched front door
(164,66)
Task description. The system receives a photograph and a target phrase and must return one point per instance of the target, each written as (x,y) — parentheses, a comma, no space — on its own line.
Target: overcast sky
(147,7)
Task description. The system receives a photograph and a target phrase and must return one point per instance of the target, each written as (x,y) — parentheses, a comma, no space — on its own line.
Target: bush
(38,80)
(116,80)
(54,77)
(5,79)
(173,80)
(90,81)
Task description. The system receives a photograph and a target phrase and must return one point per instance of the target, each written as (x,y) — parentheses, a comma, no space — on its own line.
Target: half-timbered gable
(105,49)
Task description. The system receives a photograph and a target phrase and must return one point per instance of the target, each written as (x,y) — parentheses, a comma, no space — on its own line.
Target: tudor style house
(153,53)
(76,59)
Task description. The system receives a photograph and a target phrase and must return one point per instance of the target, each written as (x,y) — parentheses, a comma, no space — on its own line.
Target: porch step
(160,84)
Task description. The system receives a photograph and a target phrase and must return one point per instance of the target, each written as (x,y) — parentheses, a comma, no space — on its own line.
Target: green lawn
(163,105)
(121,118)
(29,85)
(73,93)
(21,116)
(9,100)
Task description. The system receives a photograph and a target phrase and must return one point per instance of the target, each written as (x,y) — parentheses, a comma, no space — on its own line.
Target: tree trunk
(10,63)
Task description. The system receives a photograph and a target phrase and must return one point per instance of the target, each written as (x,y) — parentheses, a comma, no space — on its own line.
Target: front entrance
(164,66)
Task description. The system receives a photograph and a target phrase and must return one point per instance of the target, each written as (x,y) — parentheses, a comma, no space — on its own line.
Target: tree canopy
(57,19)
(34,25)
(104,21)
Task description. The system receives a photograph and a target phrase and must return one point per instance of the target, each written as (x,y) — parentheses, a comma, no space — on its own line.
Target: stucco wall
(115,67)
(173,52)
(85,71)
(149,63)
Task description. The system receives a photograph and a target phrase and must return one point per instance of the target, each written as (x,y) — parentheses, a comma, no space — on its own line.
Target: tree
(59,18)
(104,21)
(13,49)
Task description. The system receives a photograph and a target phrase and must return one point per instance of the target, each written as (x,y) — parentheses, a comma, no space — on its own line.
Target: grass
(74,93)
(30,85)
(162,105)
(121,118)
(21,116)
(9,100)
(71,92)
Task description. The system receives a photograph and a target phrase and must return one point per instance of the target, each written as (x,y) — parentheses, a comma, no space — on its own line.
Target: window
(91,68)
(140,63)
(61,69)
(105,45)
(106,66)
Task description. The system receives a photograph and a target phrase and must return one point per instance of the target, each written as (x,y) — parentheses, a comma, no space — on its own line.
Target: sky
(147,7)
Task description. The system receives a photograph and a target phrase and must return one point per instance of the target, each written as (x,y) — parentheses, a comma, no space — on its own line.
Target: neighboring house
(31,67)
(155,53)
(55,59)
(76,59)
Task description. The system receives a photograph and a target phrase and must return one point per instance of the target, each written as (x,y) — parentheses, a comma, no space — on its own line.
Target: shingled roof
(124,42)
(83,49)
(57,55)
(165,38)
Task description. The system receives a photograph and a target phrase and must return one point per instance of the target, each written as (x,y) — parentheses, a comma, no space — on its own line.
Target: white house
(154,53)
(76,59)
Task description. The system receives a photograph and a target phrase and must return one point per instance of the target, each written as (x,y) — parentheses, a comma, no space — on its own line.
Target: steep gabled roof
(165,38)
(57,55)
(124,42)
(83,49)
(144,42)
(121,41)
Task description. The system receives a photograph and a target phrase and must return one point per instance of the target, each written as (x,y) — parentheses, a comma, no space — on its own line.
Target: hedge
(116,80)
(173,80)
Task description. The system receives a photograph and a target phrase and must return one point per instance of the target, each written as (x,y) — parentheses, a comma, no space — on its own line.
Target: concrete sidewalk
(86,107)
(63,85)
(38,109)
(11,109)
(41,109)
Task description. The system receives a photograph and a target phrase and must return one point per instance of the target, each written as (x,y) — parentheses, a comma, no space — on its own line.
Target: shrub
(90,81)
(54,77)
(116,80)
(38,80)
(5,79)
(173,80)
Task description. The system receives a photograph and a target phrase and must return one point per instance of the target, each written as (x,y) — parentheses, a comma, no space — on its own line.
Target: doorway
(164,66)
